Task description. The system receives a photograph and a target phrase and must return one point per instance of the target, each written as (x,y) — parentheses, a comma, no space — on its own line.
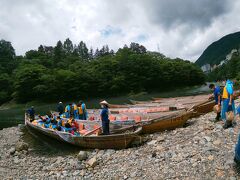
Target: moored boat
(167,122)
(114,141)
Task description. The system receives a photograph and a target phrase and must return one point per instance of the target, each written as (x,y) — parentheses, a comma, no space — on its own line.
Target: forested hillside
(68,71)
(217,51)
(229,70)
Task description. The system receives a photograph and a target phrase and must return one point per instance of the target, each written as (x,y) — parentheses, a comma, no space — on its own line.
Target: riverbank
(202,150)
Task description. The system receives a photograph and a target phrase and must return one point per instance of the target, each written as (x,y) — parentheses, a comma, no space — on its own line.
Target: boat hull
(114,141)
(167,123)
(203,108)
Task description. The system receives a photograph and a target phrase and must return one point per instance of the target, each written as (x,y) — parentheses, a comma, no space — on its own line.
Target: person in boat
(228,104)
(60,108)
(82,111)
(47,121)
(75,111)
(60,124)
(31,113)
(217,97)
(104,117)
(68,124)
(68,110)
(54,123)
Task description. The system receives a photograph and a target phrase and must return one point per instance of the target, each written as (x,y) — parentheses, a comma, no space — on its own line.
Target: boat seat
(91,118)
(112,118)
(124,118)
(82,129)
(137,119)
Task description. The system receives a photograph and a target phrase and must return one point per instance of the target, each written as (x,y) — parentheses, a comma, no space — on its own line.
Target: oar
(90,132)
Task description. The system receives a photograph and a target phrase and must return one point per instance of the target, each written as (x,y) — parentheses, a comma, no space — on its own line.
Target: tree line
(68,71)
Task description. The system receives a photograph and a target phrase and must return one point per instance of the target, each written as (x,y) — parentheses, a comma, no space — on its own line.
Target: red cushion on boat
(81,126)
(84,131)
(137,118)
(124,118)
(91,118)
(112,118)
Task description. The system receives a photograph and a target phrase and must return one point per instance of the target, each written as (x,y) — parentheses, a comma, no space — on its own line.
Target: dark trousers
(31,117)
(105,126)
(218,116)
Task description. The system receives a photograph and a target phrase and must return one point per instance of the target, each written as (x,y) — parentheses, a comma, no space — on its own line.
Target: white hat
(104,102)
(60,102)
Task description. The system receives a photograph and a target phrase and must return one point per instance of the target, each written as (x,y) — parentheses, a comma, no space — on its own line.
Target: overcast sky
(176,28)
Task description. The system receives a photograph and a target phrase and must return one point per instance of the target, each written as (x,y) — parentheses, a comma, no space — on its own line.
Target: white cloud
(179,29)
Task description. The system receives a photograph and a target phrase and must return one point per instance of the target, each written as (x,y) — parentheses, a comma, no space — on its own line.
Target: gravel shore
(201,150)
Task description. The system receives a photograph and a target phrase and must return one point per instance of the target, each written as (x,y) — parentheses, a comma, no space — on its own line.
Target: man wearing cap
(60,108)
(104,117)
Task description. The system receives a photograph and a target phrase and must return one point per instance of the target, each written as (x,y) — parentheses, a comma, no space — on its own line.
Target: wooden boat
(134,102)
(167,122)
(118,106)
(113,141)
(203,108)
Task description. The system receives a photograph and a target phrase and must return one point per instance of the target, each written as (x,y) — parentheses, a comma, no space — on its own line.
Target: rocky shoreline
(201,150)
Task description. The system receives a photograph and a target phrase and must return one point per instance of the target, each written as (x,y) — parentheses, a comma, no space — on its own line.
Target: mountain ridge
(218,50)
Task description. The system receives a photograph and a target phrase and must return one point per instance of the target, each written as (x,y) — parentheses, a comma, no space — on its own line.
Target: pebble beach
(200,150)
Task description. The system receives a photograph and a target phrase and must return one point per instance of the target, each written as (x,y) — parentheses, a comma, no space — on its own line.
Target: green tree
(58,52)
(26,79)
(6,87)
(68,46)
(7,56)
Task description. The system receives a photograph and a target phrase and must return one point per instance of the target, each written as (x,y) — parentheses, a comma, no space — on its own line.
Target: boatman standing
(104,117)
(228,104)
(60,108)
(217,97)
(82,110)
(31,113)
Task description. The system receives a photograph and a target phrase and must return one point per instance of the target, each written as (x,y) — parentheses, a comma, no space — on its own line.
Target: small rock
(154,154)
(218,126)
(210,158)
(21,146)
(16,160)
(76,173)
(82,173)
(100,153)
(64,173)
(160,139)
(159,148)
(152,142)
(12,150)
(217,142)
(207,138)
(82,155)
(92,162)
